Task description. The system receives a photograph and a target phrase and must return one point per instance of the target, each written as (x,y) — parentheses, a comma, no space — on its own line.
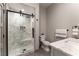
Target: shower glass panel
(20,39)
(0,32)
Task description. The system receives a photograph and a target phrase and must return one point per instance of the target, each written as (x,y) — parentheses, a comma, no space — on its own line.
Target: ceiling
(45,4)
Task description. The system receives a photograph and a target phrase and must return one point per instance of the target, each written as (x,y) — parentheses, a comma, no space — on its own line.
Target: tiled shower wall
(1,30)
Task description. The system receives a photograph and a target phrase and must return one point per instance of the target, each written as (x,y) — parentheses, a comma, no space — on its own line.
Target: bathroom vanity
(65,47)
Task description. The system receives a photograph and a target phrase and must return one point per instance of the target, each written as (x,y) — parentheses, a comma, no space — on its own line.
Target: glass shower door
(20,39)
(0,32)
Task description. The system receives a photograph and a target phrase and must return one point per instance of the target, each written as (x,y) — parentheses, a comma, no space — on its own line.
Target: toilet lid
(46,43)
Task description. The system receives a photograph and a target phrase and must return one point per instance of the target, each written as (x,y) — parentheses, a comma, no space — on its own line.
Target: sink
(72,40)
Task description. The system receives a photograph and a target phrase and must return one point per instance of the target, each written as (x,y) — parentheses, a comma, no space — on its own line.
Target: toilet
(44,43)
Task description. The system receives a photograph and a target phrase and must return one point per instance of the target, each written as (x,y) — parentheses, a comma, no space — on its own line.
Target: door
(19,34)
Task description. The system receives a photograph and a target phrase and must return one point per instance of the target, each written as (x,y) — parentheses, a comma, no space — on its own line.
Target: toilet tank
(42,37)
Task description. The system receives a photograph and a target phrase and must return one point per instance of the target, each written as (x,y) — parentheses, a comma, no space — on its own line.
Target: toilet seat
(46,43)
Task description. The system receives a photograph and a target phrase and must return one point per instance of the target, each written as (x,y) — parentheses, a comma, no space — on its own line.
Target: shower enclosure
(19,35)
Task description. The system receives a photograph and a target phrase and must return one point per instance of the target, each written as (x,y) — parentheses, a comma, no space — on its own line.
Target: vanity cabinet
(56,52)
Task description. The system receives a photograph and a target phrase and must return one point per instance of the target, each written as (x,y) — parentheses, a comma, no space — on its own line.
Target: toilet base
(45,48)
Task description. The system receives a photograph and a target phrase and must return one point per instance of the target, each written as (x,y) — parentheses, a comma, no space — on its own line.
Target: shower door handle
(3,35)
(33,32)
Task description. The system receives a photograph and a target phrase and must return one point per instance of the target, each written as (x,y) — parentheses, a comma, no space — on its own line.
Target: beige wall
(42,28)
(61,16)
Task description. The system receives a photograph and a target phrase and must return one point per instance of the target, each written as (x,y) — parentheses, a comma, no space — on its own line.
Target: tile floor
(39,52)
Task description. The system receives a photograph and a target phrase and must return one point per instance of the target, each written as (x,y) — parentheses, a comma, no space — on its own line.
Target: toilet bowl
(44,44)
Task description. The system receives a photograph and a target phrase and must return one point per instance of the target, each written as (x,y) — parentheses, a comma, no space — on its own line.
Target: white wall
(42,28)
(61,16)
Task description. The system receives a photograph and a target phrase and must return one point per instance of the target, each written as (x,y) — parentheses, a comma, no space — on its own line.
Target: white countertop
(69,46)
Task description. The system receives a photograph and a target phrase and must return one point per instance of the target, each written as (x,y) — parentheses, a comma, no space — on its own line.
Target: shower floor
(39,52)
